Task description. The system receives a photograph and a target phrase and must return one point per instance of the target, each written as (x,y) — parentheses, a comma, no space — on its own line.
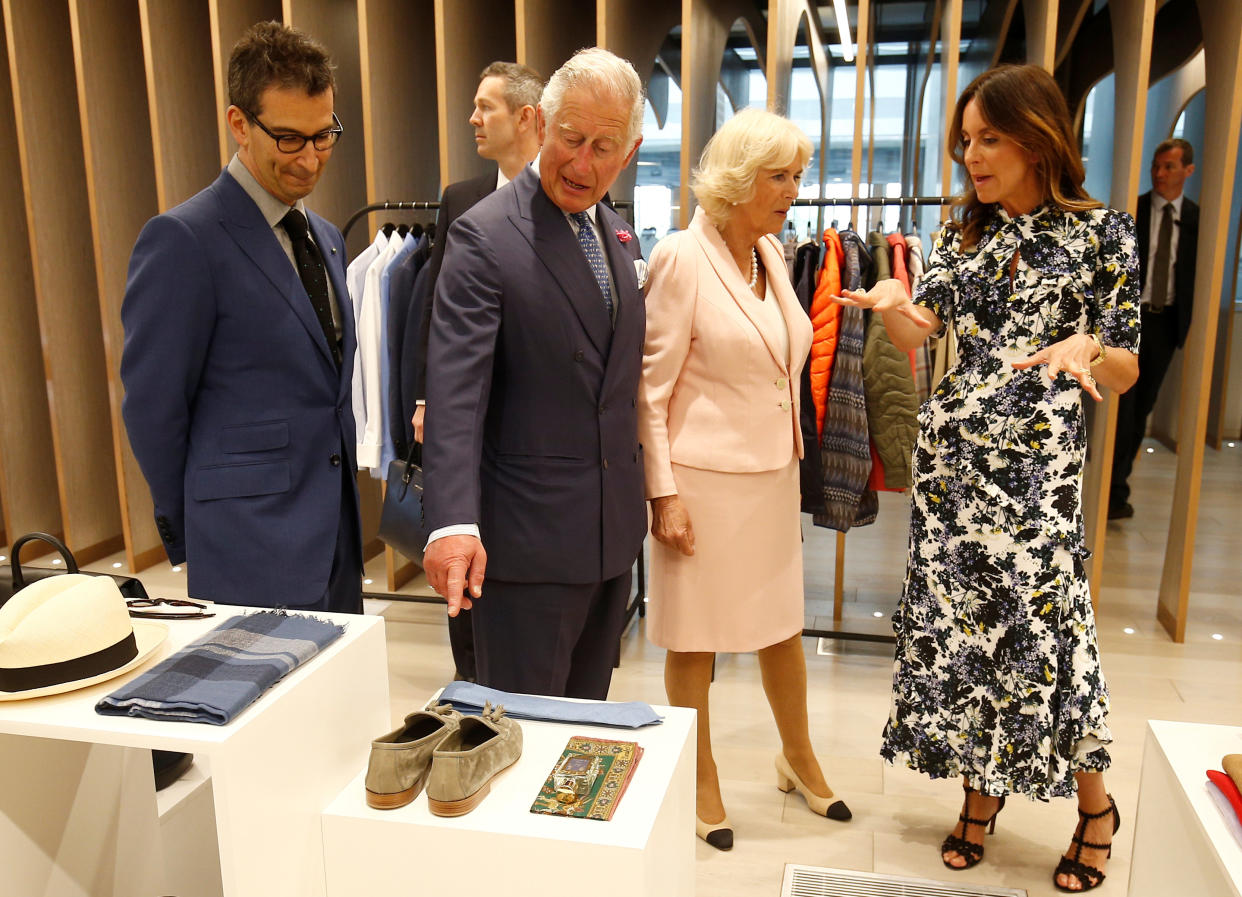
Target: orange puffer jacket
(825,315)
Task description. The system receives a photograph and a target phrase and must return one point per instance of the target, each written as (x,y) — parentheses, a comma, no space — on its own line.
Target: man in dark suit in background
(1167,229)
(532,444)
(504,131)
(239,346)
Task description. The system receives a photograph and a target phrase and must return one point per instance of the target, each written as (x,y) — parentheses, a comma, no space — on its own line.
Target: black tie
(1160,265)
(314,277)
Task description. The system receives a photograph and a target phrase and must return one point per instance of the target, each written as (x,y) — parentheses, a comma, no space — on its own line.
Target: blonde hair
(752,140)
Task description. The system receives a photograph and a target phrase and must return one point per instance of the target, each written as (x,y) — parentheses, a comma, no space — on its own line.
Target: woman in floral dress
(997,675)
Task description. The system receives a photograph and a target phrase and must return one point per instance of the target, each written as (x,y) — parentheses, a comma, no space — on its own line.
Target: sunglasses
(167,609)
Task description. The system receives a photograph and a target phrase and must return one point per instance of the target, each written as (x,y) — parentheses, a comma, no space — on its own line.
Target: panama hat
(67,632)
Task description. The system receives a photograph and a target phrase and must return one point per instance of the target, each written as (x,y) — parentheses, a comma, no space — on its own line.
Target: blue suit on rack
(237,412)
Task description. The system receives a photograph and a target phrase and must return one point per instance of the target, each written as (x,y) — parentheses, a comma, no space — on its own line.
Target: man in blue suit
(239,346)
(531,432)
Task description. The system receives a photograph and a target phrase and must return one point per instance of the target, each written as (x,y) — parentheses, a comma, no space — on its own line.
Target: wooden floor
(900,817)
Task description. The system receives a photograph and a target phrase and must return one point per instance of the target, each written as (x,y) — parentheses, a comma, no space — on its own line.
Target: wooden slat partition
(49,144)
(398,74)
(176,41)
(28,495)
(1041,31)
(705,27)
(862,38)
(229,19)
(1132,25)
(342,189)
(950,37)
(784,19)
(634,30)
(398,77)
(120,186)
(550,31)
(1222,35)
(469,35)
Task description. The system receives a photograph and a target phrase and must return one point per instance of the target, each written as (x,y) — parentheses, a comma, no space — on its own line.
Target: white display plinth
(77,803)
(647,848)
(1182,843)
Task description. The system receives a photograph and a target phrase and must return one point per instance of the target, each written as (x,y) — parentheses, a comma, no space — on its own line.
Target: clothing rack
(860,201)
(839,573)
(638,602)
(620,205)
(381,206)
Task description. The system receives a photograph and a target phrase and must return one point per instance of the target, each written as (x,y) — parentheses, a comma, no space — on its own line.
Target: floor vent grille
(816,881)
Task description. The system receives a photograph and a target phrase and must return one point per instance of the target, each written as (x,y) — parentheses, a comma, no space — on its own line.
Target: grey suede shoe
(400,760)
(465,762)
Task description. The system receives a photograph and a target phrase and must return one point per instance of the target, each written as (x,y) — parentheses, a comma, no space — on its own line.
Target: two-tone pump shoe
(787,780)
(399,763)
(464,764)
(718,834)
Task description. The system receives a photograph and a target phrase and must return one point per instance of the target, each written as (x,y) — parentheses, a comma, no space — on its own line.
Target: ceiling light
(843,29)
(116,565)
(57,562)
(1129,630)
(177,569)
(1151,451)
(877,614)
(1217,636)
(367,582)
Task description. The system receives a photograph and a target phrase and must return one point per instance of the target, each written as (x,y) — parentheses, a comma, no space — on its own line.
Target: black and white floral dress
(997,671)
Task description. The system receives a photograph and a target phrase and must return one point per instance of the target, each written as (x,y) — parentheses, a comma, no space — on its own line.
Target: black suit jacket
(1183,265)
(532,428)
(457,199)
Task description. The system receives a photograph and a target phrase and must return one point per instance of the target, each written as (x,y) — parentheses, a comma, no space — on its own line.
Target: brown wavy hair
(1023,103)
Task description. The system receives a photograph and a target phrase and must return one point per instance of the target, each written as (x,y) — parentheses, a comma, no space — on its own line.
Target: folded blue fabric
(219,675)
(466,697)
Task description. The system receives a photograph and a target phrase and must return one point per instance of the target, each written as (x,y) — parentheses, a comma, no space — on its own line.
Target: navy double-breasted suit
(531,427)
(237,413)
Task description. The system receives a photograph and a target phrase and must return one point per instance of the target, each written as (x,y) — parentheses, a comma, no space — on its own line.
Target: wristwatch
(1099,345)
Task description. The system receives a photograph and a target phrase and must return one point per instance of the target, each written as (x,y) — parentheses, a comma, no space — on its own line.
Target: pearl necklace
(754,268)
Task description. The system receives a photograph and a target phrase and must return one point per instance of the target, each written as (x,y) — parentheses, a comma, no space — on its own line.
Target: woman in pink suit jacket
(718,419)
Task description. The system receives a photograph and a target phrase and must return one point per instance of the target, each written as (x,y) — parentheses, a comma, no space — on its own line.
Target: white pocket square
(640,270)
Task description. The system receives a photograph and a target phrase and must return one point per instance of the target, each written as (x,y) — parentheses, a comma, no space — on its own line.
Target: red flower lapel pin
(624,236)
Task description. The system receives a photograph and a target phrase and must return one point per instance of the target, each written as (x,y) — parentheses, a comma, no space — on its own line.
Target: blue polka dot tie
(594,255)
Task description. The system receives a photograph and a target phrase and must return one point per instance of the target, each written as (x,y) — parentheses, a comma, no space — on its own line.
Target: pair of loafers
(454,757)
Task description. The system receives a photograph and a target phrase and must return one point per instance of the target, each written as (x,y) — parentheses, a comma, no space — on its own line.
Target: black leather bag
(402,524)
(15,577)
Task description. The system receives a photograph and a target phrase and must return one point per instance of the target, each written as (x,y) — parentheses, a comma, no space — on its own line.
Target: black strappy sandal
(970,851)
(1088,876)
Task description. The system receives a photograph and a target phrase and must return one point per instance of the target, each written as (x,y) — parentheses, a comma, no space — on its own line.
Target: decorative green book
(589,779)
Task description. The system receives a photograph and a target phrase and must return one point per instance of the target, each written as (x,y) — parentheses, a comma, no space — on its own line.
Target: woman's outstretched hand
(886,295)
(908,324)
(1073,356)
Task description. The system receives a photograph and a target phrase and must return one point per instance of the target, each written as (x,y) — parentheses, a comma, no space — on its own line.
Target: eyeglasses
(293,143)
(176,609)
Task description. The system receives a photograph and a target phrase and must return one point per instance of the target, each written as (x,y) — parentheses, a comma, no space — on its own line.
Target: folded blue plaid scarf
(216,677)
